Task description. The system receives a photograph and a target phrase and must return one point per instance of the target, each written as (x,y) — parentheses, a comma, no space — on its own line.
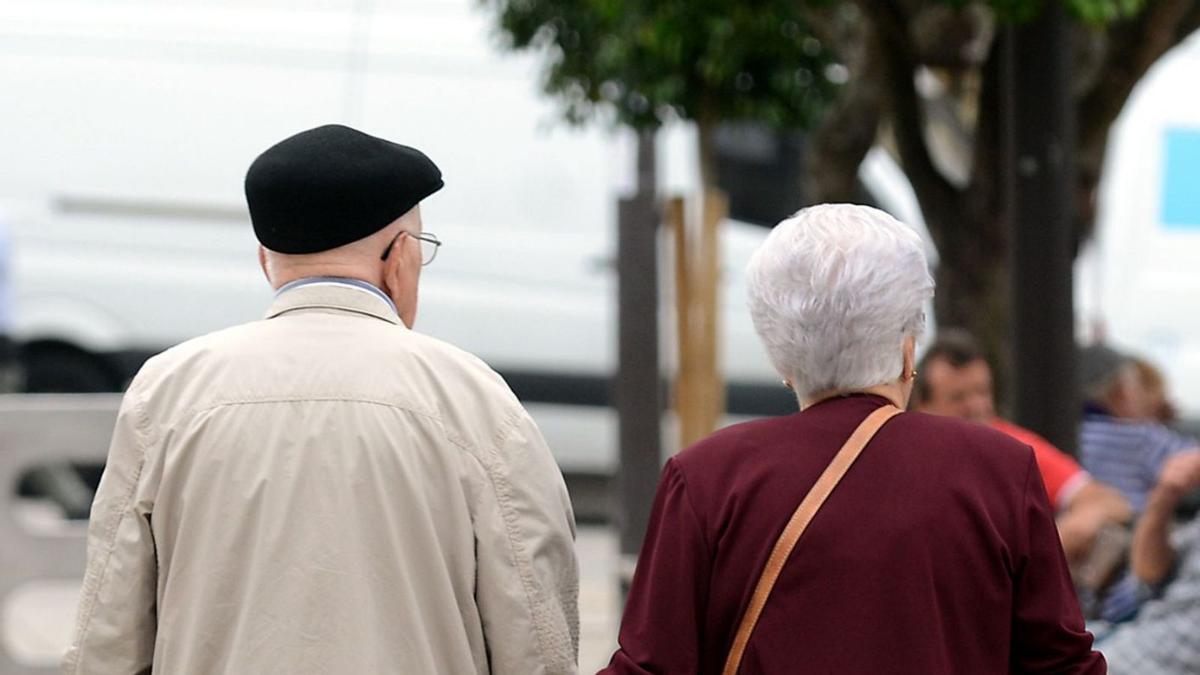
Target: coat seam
(141,424)
(516,547)
(200,410)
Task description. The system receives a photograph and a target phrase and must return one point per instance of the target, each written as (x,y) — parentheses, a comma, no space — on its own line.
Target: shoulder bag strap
(795,527)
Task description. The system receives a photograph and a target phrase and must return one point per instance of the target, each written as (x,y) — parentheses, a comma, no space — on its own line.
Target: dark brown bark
(973,294)
(890,26)
(955,38)
(848,130)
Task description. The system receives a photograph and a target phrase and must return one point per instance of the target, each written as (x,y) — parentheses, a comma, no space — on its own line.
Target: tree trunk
(978,300)
(847,131)
(973,280)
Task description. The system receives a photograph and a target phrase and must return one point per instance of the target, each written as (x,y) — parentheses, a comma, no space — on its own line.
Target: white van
(128,126)
(1138,283)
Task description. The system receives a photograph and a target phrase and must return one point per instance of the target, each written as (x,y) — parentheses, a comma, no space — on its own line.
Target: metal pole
(638,392)
(1042,181)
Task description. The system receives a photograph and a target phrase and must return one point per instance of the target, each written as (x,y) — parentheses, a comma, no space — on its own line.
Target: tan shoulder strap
(795,527)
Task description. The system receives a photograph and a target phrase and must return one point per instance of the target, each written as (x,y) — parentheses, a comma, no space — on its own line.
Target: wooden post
(685,387)
(708,281)
(699,388)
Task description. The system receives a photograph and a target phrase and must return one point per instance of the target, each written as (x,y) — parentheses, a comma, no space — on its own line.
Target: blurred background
(610,167)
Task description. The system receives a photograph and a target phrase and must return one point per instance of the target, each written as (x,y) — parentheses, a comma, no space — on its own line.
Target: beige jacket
(326,491)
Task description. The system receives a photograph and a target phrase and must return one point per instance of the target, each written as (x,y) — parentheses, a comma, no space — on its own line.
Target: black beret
(326,187)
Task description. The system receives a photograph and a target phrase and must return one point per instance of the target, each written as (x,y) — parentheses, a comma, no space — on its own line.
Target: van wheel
(54,369)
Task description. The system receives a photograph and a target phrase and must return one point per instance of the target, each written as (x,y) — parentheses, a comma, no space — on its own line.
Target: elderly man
(1121,441)
(954,379)
(326,490)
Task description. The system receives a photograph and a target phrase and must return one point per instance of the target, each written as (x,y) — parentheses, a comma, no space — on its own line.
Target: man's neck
(286,277)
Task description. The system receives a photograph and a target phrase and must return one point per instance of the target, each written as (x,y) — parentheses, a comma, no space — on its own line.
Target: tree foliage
(648,61)
(644,62)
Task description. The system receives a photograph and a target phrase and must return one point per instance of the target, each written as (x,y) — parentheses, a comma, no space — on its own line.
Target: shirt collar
(337,281)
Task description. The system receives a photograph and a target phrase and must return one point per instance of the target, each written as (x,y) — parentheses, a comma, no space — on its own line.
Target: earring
(787,384)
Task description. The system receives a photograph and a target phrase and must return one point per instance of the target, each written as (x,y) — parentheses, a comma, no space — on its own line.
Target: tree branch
(985,193)
(1189,24)
(936,194)
(1133,46)
(849,127)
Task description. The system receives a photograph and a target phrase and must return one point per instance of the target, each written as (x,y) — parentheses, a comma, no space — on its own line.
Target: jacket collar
(333,296)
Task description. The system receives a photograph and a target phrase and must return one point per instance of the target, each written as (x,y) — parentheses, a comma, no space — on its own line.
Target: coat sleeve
(661,628)
(116,617)
(1048,634)
(527,584)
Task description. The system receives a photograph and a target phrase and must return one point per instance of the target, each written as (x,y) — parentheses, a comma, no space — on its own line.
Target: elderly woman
(934,554)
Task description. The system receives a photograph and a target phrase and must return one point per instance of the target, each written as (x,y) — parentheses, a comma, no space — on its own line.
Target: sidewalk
(37,621)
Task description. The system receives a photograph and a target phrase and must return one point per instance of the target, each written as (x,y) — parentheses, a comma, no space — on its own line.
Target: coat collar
(333,296)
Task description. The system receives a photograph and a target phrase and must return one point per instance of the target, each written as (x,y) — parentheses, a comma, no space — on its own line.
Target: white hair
(834,292)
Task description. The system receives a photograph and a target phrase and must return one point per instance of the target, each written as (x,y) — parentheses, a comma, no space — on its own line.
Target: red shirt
(936,555)
(1062,475)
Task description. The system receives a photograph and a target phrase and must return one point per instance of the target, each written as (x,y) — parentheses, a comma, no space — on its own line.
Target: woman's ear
(910,359)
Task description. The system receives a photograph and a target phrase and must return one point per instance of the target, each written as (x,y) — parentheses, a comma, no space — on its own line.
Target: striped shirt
(1127,454)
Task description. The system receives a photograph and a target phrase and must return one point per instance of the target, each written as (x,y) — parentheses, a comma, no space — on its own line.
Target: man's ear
(395,268)
(401,273)
(394,265)
(262,263)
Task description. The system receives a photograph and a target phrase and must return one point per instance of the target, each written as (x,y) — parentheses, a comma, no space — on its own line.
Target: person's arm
(115,623)
(1048,635)
(1090,508)
(1151,555)
(661,627)
(527,577)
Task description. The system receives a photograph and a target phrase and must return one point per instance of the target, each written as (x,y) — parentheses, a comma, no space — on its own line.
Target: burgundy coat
(936,554)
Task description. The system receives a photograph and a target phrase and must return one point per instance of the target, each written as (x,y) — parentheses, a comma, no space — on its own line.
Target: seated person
(953,378)
(1161,640)
(1121,441)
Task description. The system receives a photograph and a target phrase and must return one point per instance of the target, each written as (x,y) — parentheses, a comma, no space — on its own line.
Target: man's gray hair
(1101,369)
(834,291)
